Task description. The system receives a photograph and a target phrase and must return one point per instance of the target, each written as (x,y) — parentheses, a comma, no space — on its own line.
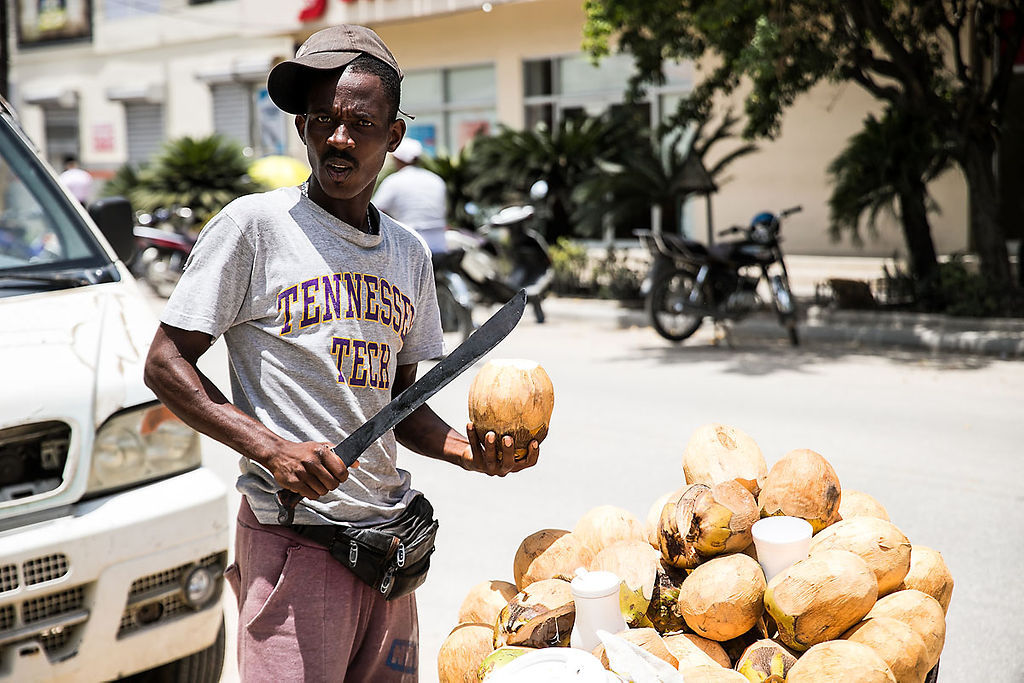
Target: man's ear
(300,125)
(397,133)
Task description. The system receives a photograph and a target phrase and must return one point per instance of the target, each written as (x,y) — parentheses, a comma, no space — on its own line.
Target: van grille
(48,568)
(32,458)
(158,597)
(34,571)
(45,606)
(55,620)
(8,577)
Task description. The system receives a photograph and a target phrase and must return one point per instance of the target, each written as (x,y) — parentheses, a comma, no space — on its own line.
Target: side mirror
(113,216)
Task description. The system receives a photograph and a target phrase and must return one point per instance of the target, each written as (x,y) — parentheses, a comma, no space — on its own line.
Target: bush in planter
(569,263)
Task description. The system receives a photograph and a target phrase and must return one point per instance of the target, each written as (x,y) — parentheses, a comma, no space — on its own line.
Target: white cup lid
(781,529)
(594,584)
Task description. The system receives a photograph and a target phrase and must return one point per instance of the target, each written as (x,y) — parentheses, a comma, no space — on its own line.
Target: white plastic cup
(780,542)
(596,595)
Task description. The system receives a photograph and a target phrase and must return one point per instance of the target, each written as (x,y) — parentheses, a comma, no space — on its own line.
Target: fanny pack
(392,558)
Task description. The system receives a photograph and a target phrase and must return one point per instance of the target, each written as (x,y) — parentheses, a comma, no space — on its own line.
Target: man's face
(347,134)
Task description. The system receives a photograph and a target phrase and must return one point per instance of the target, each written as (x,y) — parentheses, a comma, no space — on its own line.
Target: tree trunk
(988,234)
(924,265)
(669,220)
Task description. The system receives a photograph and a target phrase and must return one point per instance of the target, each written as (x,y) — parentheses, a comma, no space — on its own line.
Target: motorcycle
(690,281)
(489,265)
(163,242)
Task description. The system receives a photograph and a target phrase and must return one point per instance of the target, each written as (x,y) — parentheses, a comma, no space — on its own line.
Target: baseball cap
(408,150)
(325,50)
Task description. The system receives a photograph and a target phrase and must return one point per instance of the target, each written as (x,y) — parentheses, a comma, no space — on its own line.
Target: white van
(113,536)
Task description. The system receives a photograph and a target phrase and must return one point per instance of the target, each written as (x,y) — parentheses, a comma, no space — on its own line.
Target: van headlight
(140,445)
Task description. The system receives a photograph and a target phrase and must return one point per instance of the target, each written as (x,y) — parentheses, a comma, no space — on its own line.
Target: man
(76,179)
(414,196)
(326,306)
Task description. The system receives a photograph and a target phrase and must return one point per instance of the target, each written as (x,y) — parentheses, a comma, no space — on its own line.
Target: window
(451,106)
(123,9)
(572,85)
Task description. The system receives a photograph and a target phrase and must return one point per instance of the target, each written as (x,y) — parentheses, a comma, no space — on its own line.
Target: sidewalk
(1000,337)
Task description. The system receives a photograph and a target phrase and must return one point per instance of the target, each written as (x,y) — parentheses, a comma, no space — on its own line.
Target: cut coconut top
(517,363)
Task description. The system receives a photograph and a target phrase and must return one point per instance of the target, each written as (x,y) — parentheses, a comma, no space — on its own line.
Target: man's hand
(311,468)
(495,457)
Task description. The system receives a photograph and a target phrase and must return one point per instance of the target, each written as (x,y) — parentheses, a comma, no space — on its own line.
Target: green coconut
(819,598)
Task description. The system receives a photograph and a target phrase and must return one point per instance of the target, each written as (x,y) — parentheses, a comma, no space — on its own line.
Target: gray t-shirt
(317,316)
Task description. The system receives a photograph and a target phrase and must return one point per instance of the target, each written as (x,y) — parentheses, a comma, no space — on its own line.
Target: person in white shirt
(414,196)
(76,179)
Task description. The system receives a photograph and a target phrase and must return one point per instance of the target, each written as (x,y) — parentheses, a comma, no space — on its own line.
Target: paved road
(935,438)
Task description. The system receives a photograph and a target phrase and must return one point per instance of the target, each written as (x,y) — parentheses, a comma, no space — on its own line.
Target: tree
(867,182)
(945,64)
(203,174)
(656,170)
(505,165)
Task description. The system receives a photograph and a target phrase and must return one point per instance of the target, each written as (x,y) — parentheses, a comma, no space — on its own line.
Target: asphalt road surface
(936,439)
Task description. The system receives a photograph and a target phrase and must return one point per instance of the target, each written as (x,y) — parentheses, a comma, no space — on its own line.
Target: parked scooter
(489,265)
(164,241)
(690,281)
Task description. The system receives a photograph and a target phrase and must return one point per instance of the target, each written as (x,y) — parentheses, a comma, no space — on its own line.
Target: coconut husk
(654,516)
(921,612)
(712,673)
(704,522)
(819,598)
(663,612)
(901,647)
(878,542)
(802,484)
(484,600)
(718,452)
(711,648)
(860,504)
(548,554)
(607,525)
(462,652)
(637,564)
(723,598)
(645,638)
(929,574)
(765,659)
(541,615)
(840,661)
(513,397)
(735,647)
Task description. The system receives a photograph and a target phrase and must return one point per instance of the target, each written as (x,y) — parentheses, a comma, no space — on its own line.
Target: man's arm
(310,468)
(424,432)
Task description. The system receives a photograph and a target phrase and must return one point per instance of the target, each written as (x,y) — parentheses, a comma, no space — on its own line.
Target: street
(934,438)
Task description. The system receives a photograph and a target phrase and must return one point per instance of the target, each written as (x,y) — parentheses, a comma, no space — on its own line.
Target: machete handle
(286,502)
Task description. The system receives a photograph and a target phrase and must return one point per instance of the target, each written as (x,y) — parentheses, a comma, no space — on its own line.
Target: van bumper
(96,593)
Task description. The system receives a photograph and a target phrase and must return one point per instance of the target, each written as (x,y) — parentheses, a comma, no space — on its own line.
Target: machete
(482,340)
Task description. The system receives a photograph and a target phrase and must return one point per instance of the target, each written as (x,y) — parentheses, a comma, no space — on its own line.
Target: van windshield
(40,231)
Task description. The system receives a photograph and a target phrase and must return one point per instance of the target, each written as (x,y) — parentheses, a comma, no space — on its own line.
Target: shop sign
(51,21)
(314,9)
(103,137)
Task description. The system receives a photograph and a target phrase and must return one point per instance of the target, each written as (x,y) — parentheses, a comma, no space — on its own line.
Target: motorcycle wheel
(785,306)
(666,306)
(456,321)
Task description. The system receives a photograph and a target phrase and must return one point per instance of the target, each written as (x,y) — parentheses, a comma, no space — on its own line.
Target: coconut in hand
(512,397)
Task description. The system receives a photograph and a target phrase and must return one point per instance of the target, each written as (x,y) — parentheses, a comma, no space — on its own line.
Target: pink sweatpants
(303,616)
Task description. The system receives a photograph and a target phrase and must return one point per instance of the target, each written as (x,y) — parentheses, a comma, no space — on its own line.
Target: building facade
(111,80)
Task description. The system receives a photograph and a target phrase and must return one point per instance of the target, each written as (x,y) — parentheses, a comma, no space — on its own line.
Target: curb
(1001,337)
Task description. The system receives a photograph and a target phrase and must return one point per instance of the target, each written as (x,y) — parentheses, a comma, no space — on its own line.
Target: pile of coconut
(865,605)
